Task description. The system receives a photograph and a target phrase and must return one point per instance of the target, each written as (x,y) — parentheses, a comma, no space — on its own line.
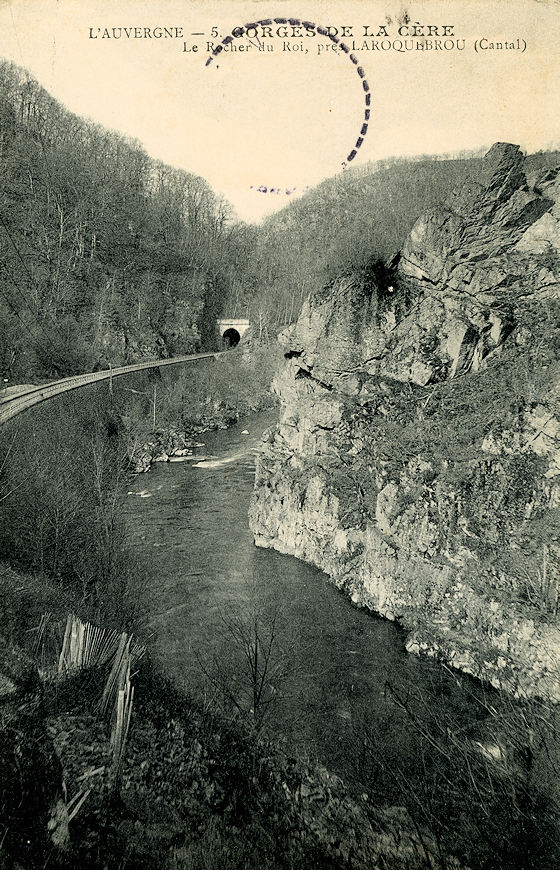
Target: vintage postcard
(280,434)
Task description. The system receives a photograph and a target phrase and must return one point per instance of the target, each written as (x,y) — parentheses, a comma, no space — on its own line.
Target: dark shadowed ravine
(335,669)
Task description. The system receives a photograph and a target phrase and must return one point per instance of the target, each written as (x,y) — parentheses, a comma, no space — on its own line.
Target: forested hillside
(105,254)
(350,221)
(108,256)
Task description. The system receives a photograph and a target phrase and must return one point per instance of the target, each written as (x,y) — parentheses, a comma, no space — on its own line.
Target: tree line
(108,256)
(105,254)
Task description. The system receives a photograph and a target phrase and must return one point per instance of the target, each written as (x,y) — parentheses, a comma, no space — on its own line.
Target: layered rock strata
(416,460)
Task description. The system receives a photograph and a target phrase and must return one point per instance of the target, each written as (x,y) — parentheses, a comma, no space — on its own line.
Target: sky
(286,119)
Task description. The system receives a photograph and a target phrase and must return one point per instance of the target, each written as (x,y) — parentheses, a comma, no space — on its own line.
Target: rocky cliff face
(416,459)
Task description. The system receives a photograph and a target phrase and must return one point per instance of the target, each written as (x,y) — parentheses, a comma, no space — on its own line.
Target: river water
(338,677)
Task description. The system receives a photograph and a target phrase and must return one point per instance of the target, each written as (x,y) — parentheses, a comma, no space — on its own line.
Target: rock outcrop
(416,459)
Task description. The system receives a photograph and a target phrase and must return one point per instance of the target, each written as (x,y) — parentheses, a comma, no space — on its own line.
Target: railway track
(11,406)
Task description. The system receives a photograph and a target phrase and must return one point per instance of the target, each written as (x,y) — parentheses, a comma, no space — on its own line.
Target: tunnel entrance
(231,337)
(231,330)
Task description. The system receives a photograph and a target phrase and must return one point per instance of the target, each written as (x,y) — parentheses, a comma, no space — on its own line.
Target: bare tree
(249,674)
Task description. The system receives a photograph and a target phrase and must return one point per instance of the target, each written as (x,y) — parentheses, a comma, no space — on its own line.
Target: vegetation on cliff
(430,388)
(416,462)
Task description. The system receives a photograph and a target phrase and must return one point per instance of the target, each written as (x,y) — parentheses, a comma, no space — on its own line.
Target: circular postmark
(251,31)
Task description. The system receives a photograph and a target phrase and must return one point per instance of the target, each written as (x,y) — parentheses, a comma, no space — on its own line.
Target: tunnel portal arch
(231,331)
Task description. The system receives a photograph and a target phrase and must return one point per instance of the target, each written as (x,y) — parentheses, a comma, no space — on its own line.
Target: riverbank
(444,781)
(198,401)
(199,789)
(340,687)
(195,790)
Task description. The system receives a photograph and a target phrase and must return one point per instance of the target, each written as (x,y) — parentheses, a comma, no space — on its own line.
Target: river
(339,678)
